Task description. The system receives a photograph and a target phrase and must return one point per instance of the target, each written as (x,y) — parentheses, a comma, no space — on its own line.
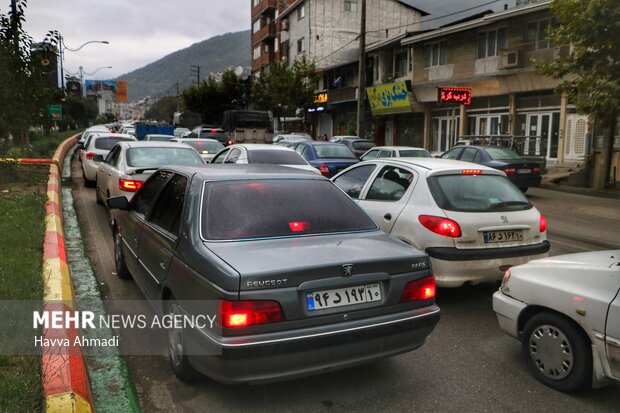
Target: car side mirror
(98,158)
(80,146)
(118,202)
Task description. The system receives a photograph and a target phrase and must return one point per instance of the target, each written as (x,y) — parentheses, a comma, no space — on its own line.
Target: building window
(276,45)
(256,53)
(266,48)
(536,35)
(256,26)
(400,63)
(410,59)
(435,54)
(375,68)
(301,12)
(350,5)
(301,45)
(256,2)
(490,42)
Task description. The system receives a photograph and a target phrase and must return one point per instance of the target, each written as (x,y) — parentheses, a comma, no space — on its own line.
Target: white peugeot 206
(470,219)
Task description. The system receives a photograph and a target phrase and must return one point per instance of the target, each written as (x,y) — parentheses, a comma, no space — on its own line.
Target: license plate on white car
(340,297)
(502,236)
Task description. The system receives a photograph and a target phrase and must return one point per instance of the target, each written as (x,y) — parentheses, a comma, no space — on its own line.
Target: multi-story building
(264,30)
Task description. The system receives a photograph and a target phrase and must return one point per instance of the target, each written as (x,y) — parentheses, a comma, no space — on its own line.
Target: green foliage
(212,55)
(79,111)
(591,73)
(211,99)
(163,110)
(284,88)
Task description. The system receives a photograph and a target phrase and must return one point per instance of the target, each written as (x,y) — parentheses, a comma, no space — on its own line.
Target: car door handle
(109,173)
(388,217)
(162,265)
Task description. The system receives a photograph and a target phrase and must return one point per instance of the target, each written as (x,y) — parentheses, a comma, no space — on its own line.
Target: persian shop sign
(458,95)
(321,98)
(389,98)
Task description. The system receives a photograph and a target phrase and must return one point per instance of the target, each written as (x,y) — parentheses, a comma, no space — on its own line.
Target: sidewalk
(549,182)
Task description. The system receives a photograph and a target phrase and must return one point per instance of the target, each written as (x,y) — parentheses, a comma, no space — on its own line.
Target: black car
(304,280)
(212,132)
(358,146)
(522,173)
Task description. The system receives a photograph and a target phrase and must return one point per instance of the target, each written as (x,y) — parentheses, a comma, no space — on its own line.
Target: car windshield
(502,154)
(105,144)
(156,157)
(274,157)
(362,145)
(415,153)
(477,193)
(333,151)
(205,147)
(234,210)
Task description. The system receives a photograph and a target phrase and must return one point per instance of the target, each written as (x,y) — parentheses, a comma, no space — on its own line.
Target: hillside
(213,55)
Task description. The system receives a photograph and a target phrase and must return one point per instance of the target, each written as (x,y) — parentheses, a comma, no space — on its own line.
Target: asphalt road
(467,365)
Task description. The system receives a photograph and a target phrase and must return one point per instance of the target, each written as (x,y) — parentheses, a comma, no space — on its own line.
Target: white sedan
(263,154)
(565,311)
(470,219)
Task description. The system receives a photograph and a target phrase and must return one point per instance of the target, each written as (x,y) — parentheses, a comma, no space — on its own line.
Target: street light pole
(63,47)
(361,87)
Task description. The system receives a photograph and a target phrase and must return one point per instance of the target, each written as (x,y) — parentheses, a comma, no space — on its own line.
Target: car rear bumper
(89,168)
(454,267)
(274,357)
(507,310)
(526,180)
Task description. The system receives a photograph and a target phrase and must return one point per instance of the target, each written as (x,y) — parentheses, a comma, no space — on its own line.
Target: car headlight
(504,287)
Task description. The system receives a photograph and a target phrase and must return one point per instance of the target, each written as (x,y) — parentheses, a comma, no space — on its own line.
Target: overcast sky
(139,31)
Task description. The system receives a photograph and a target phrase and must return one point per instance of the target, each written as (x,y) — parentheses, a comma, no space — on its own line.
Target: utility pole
(361,88)
(14,26)
(195,71)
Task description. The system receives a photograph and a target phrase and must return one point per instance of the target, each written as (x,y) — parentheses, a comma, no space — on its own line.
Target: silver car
(129,164)
(206,148)
(565,311)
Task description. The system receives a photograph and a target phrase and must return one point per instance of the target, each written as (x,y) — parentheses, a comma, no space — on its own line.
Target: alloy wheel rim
(175,338)
(551,352)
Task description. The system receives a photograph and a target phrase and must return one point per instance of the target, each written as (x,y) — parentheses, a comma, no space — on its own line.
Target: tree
(284,88)
(211,98)
(79,111)
(163,110)
(591,73)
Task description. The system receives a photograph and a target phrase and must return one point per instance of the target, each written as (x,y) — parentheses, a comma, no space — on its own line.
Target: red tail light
(536,171)
(543,223)
(442,226)
(324,169)
(510,171)
(299,226)
(213,130)
(129,185)
(229,142)
(423,289)
(236,314)
(471,172)
(90,155)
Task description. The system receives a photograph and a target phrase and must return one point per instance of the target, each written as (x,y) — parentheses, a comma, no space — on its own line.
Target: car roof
(142,144)
(486,147)
(260,147)
(98,128)
(159,134)
(399,148)
(112,135)
(322,143)
(437,164)
(183,140)
(348,137)
(231,172)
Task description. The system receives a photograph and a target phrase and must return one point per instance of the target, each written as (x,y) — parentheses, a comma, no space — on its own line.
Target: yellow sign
(389,98)
(121,91)
(321,98)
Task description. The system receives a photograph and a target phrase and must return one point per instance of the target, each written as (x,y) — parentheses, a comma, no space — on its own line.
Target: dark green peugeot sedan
(302,279)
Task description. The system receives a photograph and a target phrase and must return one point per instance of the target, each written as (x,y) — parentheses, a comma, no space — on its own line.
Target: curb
(580,191)
(66,384)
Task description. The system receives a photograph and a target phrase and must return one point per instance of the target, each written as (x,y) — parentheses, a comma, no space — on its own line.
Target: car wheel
(179,361)
(119,259)
(558,352)
(87,182)
(98,194)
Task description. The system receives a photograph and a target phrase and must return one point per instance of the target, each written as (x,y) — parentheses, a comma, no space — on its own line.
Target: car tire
(98,194)
(119,259)
(87,182)
(558,352)
(179,362)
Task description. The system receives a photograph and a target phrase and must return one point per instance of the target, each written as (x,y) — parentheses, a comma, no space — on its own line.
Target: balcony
(267,31)
(346,94)
(267,58)
(262,7)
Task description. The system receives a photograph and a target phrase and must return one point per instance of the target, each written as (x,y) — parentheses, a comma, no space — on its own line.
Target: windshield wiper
(508,204)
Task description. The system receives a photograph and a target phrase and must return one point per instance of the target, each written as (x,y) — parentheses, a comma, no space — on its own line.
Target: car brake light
(510,171)
(424,289)
(213,130)
(324,169)
(543,223)
(441,226)
(129,185)
(471,172)
(229,142)
(236,314)
(90,155)
(536,171)
(299,226)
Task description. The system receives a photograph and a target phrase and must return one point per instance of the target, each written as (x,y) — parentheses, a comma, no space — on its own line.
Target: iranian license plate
(524,171)
(340,297)
(503,236)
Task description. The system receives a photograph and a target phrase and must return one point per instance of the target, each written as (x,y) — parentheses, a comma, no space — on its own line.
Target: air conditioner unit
(561,51)
(511,59)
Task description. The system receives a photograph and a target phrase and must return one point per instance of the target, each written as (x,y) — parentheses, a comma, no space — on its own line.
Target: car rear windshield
(283,157)
(477,193)
(502,154)
(413,153)
(105,144)
(205,146)
(207,134)
(157,157)
(336,150)
(160,138)
(363,146)
(235,210)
